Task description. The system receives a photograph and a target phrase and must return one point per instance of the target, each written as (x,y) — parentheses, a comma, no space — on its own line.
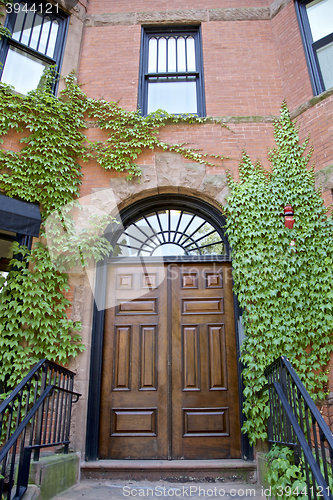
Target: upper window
(172,71)
(316,20)
(38,34)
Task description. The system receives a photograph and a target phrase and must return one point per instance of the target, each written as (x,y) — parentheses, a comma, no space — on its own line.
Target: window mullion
(48,37)
(40,33)
(29,50)
(186,66)
(177,38)
(23,26)
(32,29)
(157,51)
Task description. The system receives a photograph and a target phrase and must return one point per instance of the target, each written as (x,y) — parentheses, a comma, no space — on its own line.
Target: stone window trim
(50,13)
(311,47)
(175,76)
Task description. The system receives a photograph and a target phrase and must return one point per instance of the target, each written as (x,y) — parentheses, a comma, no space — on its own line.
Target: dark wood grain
(205,422)
(169,384)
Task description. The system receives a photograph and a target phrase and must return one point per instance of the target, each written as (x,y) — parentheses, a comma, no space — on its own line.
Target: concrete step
(120,490)
(235,470)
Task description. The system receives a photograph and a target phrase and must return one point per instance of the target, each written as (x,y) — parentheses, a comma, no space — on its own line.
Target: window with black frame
(38,38)
(172,71)
(316,22)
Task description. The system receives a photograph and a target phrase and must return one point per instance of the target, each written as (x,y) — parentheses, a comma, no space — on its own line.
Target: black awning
(19,216)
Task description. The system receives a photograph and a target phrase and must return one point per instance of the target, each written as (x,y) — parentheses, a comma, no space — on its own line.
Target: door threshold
(222,470)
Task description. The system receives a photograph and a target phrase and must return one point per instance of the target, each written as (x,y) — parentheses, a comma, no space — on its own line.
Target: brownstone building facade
(233,61)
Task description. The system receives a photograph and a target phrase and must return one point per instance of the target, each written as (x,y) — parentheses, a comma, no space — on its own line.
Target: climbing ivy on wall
(47,171)
(3,31)
(285,291)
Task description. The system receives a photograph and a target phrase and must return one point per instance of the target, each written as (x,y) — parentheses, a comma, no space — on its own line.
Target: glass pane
(18,25)
(217,249)
(325,57)
(184,222)
(36,31)
(6,253)
(53,37)
(197,222)
(173,97)
(174,218)
(163,216)
(181,54)
(22,70)
(190,54)
(27,28)
(172,55)
(161,55)
(147,233)
(152,55)
(152,219)
(168,249)
(320,14)
(45,35)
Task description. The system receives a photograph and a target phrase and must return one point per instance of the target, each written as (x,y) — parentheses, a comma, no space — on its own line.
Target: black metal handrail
(295,421)
(35,415)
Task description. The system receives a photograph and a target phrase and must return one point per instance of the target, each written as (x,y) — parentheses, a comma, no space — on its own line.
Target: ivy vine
(47,171)
(285,291)
(285,294)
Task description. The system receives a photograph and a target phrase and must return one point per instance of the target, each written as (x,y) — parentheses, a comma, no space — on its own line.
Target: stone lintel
(122,19)
(240,14)
(186,16)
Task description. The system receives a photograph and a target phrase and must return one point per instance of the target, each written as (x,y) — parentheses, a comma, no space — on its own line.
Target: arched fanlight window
(170,232)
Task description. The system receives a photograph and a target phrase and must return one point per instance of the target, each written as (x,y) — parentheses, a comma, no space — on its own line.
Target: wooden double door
(169,374)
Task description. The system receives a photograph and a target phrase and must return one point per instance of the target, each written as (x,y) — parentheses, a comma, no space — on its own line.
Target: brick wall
(105,6)
(291,59)
(109,66)
(242,75)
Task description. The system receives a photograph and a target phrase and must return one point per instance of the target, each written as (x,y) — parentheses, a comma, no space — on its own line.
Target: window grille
(37,42)
(315,20)
(172,72)
(170,233)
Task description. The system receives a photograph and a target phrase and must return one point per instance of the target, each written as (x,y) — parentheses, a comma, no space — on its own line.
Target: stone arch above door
(171,174)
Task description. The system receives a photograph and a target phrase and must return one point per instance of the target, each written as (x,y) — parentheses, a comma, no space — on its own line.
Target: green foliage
(33,321)
(130,133)
(285,478)
(4,31)
(286,291)
(46,170)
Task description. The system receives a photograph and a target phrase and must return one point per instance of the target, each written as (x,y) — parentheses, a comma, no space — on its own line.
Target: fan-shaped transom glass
(169,233)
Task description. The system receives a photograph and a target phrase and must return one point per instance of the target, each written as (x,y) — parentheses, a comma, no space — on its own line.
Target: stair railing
(36,415)
(295,421)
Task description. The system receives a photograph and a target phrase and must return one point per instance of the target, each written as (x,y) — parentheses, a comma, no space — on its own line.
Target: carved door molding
(169,371)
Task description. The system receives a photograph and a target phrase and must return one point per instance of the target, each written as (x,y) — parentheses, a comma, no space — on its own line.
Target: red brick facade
(253,59)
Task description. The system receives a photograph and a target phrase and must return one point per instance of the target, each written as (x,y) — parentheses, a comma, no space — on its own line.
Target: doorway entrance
(164,378)
(169,369)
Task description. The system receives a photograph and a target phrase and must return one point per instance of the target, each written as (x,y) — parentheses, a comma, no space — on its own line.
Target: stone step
(120,490)
(235,470)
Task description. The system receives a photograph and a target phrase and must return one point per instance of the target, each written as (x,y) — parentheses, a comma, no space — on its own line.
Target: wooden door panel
(208,422)
(189,411)
(217,360)
(202,306)
(134,382)
(121,364)
(191,359)
(205,412)
(133,422)
(148,354)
